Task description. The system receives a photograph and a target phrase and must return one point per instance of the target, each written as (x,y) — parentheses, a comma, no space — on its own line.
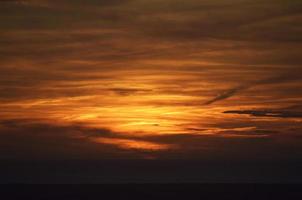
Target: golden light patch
(133,144)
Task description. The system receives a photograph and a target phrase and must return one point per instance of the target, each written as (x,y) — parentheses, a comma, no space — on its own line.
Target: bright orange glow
(135,105)
(133,144)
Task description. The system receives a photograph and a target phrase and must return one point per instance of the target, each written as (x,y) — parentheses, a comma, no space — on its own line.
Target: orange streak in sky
(132,144)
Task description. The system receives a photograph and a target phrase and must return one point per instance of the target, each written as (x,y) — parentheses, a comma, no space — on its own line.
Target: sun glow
(138,120)
(134,107)
(133,144)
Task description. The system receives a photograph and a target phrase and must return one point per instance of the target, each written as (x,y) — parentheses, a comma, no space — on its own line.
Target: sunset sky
(151,79)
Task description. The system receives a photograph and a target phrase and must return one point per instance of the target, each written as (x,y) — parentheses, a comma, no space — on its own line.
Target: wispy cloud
(227,94)
(275,113)
(294,75)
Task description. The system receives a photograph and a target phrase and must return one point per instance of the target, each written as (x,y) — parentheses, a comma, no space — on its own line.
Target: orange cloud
(133,144)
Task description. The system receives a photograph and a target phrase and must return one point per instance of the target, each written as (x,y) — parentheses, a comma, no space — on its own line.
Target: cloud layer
(145,78)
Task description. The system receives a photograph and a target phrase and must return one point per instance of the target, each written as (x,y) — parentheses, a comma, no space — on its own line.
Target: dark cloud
(128,91)
(294,111)
(66,2)
(224,20)
(268,113)
(288,76)
(32,139)
(38,139)
(227,94)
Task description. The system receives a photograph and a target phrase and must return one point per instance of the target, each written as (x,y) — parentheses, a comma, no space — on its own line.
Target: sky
(151,80)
